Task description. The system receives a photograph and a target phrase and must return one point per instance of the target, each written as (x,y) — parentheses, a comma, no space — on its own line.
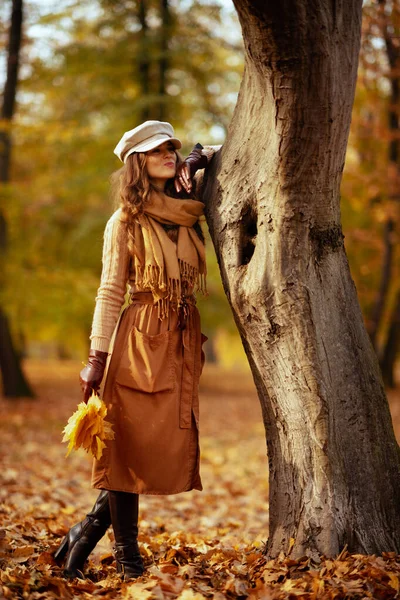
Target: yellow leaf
(97,447)
(394,581)
(87,428)
(139,591)
(188,594)
(288,586)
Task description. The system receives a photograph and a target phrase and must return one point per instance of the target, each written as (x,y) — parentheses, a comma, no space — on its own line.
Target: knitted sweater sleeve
(111,293)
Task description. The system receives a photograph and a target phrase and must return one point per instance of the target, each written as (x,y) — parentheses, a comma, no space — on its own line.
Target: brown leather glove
(91,375)
(186,171)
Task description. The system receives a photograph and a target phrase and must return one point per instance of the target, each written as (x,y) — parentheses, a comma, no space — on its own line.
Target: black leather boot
(124,509)
(83,537)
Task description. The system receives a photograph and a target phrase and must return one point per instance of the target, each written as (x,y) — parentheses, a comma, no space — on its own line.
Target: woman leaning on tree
(153,243)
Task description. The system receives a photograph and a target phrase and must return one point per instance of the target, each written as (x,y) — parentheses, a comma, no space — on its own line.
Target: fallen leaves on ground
(195,545)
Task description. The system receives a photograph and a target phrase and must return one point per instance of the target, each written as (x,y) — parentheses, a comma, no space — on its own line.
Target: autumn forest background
(93,69)
(90,70)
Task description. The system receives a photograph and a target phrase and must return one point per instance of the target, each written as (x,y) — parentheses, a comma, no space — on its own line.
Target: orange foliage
(195,545)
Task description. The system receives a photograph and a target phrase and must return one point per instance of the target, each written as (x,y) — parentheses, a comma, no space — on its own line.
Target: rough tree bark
(14,382)
(272,196)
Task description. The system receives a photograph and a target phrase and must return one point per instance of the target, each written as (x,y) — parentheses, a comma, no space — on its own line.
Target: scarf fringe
(202,284)
(153,277)
(193,277)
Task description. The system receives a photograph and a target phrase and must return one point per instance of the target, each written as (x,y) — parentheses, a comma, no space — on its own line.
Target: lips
(169,164)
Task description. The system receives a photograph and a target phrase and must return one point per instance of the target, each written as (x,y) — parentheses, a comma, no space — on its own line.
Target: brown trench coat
(151,393)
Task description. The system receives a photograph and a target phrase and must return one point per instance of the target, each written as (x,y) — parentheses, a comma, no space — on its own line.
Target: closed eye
(170,148)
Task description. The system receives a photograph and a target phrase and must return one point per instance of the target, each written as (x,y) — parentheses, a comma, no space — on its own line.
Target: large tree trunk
(272,198)
(14,382)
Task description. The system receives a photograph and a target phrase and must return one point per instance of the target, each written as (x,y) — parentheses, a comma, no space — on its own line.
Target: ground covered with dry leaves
(195,545)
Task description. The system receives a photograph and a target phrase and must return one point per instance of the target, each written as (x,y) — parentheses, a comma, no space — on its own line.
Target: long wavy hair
(131,188)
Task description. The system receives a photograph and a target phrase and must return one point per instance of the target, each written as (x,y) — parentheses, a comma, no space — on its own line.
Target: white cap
(145,137)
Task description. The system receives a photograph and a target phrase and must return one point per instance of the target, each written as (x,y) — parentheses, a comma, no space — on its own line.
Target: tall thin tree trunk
(391,349)
(14,382)
(10,88)
(272,197)
(163,62)
(393,53)
(143,59)
(386,277)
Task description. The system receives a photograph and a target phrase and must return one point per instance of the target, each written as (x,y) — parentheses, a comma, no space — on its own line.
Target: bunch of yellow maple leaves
(88,429)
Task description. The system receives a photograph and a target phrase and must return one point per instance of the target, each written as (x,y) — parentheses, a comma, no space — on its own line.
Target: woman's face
(161,164)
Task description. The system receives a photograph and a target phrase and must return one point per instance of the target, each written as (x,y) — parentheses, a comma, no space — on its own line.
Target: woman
(155,243)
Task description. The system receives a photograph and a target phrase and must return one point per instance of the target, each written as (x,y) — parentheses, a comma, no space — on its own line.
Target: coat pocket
(148,362)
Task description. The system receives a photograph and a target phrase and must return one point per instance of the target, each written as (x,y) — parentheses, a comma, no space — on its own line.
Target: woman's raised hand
(92,374)
(183,178)
(186,170)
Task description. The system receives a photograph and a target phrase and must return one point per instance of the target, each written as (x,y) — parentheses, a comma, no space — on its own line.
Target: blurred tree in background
(371,183)
(107,65)
(94,69)
(13,379)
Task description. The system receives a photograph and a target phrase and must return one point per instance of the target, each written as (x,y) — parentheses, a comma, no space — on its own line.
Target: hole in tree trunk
(248,234)
(326,240)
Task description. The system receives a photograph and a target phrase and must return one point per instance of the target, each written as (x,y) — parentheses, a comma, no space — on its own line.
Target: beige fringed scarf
(158,263)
